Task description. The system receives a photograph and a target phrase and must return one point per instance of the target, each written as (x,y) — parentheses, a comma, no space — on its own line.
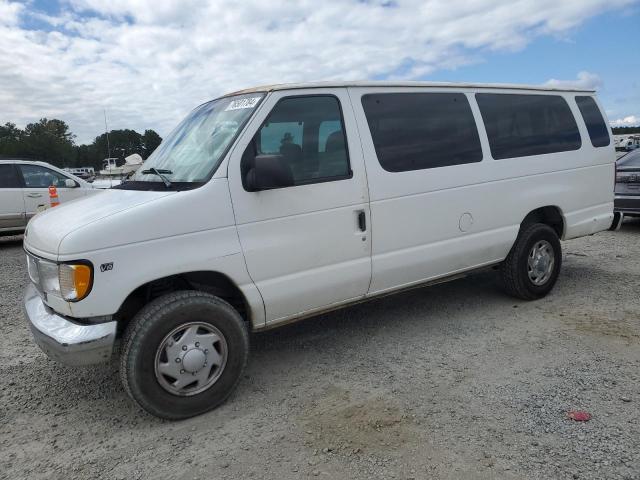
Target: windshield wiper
(160,173)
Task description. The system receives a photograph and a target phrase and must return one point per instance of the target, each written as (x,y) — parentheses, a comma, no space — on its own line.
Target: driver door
(307,244)
(37,180)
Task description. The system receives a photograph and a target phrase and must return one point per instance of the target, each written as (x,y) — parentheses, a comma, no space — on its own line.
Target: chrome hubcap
(191,358)
(540,262)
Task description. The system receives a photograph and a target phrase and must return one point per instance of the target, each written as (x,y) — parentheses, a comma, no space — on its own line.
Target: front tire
(532,267)
(183,354)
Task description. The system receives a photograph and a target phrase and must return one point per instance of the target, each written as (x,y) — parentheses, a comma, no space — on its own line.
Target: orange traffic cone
(53,196)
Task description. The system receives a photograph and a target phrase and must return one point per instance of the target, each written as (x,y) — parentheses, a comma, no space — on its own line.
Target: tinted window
(9,177)
(523,125)
(631,159)
(414,131)
(36,176)
(307,133)
(598,131)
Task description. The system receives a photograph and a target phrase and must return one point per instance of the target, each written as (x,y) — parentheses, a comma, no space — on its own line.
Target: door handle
(362,221)
(34,195)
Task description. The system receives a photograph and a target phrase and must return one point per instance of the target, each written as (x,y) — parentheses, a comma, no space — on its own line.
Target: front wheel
(183,354)
(531,269)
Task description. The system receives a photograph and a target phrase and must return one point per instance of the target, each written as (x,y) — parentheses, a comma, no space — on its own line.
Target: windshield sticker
(242,103)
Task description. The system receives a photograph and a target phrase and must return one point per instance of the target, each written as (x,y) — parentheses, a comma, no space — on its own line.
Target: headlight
(49,277)
(32,268)
(75,281)
(71,281)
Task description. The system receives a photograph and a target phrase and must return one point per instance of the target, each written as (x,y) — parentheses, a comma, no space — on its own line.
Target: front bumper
(65,341)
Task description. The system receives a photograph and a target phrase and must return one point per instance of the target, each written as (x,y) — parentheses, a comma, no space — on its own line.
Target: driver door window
(307,135)
(36,176)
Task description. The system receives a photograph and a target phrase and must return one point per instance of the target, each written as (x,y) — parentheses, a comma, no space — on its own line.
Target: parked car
(277,203)
(85,173)
(627,191)
(24,190)
(104,182)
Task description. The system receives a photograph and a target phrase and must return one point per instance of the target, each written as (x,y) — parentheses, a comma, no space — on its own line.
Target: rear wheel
(183,354)
(531,269)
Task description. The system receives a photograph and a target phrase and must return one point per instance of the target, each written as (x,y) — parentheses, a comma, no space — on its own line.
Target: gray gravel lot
(452,381)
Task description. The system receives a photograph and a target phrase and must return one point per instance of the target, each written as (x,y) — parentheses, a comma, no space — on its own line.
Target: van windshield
(194,149)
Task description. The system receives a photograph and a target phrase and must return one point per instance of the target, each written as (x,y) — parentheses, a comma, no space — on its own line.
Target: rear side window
(524,125)
(415,131)
(9,177)
(598,131)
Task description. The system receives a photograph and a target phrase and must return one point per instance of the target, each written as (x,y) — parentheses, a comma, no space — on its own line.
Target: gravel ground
(452,381)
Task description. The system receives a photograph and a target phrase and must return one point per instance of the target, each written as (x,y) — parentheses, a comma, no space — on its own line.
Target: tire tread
(143,322)
(513,281)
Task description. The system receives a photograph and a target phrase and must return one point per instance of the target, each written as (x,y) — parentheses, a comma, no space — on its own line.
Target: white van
(276,203)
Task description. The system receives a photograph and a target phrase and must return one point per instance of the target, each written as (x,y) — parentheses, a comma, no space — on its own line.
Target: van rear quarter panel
(416,215)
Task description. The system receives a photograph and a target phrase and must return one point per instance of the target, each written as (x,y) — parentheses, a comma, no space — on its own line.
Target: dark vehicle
(627,199)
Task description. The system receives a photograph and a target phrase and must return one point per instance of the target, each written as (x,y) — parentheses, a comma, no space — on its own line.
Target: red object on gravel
(579,415)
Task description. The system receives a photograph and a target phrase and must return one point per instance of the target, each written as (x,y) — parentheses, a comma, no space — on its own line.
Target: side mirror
(268,172)
(70,183)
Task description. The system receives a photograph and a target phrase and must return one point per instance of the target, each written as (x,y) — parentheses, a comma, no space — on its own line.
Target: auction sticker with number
(242,103)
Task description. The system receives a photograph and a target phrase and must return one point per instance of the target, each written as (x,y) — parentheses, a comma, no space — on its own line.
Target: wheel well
(549,215)
(214,283)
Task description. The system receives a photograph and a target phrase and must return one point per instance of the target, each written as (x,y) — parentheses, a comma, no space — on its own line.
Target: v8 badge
(105,267)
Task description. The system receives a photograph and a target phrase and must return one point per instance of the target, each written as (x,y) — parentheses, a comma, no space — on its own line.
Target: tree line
(51,141)
(625,130)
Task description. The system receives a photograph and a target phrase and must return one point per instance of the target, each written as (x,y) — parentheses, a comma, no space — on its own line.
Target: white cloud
(10,13)
(584,80)
(148,62)
(630,121)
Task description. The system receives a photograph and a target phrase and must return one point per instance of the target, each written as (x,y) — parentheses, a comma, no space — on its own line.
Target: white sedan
(24,191)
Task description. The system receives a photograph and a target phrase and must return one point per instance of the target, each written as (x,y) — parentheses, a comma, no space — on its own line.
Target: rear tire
(198,334)
(531,269)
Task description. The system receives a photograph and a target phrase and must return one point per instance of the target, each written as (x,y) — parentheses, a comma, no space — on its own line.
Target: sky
(147,63)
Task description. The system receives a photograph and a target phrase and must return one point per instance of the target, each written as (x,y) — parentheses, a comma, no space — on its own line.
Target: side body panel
(167,235)
(12,215)
(302,244)
(36,198)
(436,222)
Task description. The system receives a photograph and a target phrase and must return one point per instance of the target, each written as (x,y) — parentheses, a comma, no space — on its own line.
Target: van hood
(47,229)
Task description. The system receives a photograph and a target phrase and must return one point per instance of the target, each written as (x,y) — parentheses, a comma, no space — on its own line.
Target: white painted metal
(34,200)
(12,215)
(415,215)
(302,244)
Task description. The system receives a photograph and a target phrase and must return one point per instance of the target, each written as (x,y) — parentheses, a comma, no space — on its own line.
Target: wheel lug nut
(181,371)
(184,347)
(197,344)
(178,360)
(206,351)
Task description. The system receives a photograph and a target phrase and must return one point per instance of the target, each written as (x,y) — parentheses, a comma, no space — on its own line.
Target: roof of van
(368,83)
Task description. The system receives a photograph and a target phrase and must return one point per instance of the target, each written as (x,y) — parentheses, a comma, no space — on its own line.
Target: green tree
(49,141)
(625,130)
(150,141)
(10,140)
(122,143)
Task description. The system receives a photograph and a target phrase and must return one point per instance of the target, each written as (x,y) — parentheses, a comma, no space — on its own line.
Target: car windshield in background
(193,151)
(631,159)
